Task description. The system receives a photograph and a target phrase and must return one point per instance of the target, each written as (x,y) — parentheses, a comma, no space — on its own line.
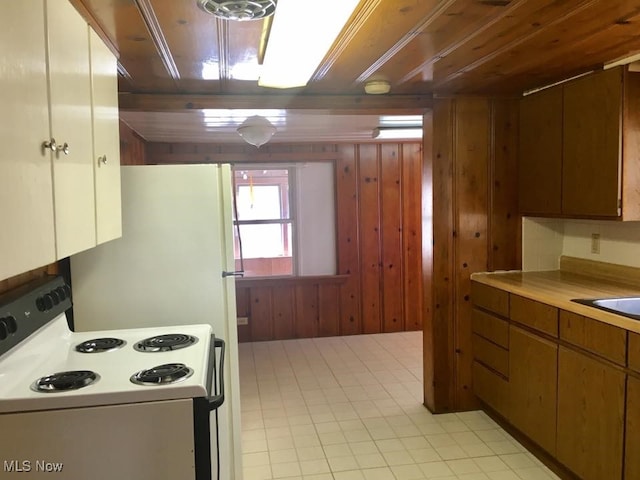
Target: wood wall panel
(369,217)
(427,303)
(472,129)
(306,301)
(347,242)
(473,152)
(328,310)
(505,223)
(261,320)
(243,309)
(439,360)
(411,249)
(391,239)
(132,147)
(283,312)
(14,282)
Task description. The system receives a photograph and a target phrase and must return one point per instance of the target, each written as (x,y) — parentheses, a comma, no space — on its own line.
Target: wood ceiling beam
(339,104)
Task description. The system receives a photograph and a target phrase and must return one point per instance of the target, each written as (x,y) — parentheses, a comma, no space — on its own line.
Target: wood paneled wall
(379,229)
(288,307)
(379,225)
(476,227)
(133,147)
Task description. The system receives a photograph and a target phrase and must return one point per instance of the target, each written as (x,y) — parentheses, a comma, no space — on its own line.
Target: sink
(626,306)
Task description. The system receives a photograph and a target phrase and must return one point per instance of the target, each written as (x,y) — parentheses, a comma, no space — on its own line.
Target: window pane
(262,194)
(259,202)
(267,240)
(267,249)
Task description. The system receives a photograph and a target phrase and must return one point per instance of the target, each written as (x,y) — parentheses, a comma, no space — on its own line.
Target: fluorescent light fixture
(397,133)
(401,121)
(302,33)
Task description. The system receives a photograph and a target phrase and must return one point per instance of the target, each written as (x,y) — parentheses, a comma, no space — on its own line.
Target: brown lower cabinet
(533,373)
(591,412)
(632,436)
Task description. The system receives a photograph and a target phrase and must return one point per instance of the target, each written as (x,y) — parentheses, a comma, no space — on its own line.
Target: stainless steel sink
(625,306)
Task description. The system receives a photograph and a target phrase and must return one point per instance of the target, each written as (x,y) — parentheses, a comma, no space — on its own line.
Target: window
(265,222)
(286,219)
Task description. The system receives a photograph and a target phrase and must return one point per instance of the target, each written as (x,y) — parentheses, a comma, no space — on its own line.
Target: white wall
(316,231)
(544,240)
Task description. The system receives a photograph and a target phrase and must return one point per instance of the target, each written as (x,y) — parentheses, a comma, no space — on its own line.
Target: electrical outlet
(595,243)
(243,320)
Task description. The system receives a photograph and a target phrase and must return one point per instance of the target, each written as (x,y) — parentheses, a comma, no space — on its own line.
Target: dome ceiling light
(239,10)
(256,130)
(377,87)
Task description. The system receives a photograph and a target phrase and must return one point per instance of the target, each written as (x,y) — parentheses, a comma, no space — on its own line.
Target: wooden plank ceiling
(171,50)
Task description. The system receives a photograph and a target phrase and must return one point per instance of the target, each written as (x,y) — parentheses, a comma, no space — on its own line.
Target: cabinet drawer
(491,388)
(490,298)
(490,327)
(534,314)
(634,351)
(491,355)
(605,340)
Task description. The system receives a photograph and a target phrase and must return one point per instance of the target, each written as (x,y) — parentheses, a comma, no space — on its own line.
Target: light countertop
(557,288)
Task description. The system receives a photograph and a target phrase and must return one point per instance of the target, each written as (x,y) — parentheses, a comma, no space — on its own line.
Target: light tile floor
(350,408)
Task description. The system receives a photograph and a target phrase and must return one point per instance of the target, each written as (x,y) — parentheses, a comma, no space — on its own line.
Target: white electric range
(114,404)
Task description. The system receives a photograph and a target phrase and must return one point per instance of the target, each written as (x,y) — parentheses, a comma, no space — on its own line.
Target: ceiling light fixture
(297,46)
(240,10)
(377,87)
(412,133)
(256,130)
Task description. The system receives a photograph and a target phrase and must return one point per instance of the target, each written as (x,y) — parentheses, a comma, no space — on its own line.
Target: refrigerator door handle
(236,273)
(218,399)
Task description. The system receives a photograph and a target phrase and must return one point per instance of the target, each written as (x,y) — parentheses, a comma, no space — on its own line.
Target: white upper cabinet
(106,140)
(59,116)
(70,113)
(27,238)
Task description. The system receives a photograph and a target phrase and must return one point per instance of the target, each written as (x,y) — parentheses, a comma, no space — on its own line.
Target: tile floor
(350,408)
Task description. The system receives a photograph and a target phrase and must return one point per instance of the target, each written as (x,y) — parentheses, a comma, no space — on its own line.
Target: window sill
(292,280)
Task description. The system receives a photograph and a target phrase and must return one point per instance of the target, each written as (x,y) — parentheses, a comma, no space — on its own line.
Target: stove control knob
(4,331)
(47,300)
(67,290)
(40,304)
(54,296)
(12,325)
(62,294)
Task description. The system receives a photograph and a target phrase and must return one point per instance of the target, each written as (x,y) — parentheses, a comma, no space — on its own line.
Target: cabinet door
(592,144)
(632,436)
(106,140)
(590,416)
(533,370)
(70,113)
(540,167)
(27,238)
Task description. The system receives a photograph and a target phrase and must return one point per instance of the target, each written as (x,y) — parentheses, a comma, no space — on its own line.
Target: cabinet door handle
(64,148)
(55,147)
(51,145)
(102,160)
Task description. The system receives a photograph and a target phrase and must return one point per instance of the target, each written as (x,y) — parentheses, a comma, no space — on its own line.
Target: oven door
(205,416)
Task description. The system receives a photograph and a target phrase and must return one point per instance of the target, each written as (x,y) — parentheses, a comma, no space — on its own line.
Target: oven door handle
(218,399)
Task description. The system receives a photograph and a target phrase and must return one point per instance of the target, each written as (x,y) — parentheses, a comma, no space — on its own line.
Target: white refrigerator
(177,239)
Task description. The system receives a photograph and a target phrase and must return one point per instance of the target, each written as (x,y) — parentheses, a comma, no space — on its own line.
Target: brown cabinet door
(632,442)
(590,416)
(533,369)
(591,157)
(540,167)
